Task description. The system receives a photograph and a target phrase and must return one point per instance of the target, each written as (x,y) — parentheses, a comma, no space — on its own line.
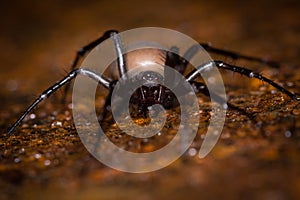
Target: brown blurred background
(39,39)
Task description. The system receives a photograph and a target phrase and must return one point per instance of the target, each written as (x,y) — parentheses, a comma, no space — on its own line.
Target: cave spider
(152,92)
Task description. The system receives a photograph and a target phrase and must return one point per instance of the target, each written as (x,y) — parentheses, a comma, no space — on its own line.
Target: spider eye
(147,73)
(150,78)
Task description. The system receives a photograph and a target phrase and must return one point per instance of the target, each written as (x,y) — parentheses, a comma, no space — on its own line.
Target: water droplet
(70,105)
(192,152)
(52,118)
(17,160)
(32,116)
(145,140)
(22,150)
(68,118)
(290,84)
(288,134)
(37,155)
(47,162)
(56,123)
(273,91)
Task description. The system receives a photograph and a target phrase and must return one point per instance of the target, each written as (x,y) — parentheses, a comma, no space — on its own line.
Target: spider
(152,92)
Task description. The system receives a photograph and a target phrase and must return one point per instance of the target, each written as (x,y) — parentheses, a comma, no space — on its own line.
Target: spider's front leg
(87,48)
(106,82)
(85,72)
(81,53)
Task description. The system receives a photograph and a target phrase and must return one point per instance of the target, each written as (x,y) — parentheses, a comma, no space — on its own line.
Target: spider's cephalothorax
(148,71)
(151,73)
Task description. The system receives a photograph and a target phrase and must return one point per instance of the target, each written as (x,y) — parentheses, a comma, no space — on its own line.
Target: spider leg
(235,55)
(143,108)
(121,65)
(173,60)
(191,52)
(241,70)
(107,104)
(86,49)
(201,88)
(85,72)
(119,51)
(121,68)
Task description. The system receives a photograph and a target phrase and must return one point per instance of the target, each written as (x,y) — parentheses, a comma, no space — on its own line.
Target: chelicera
(152,92)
